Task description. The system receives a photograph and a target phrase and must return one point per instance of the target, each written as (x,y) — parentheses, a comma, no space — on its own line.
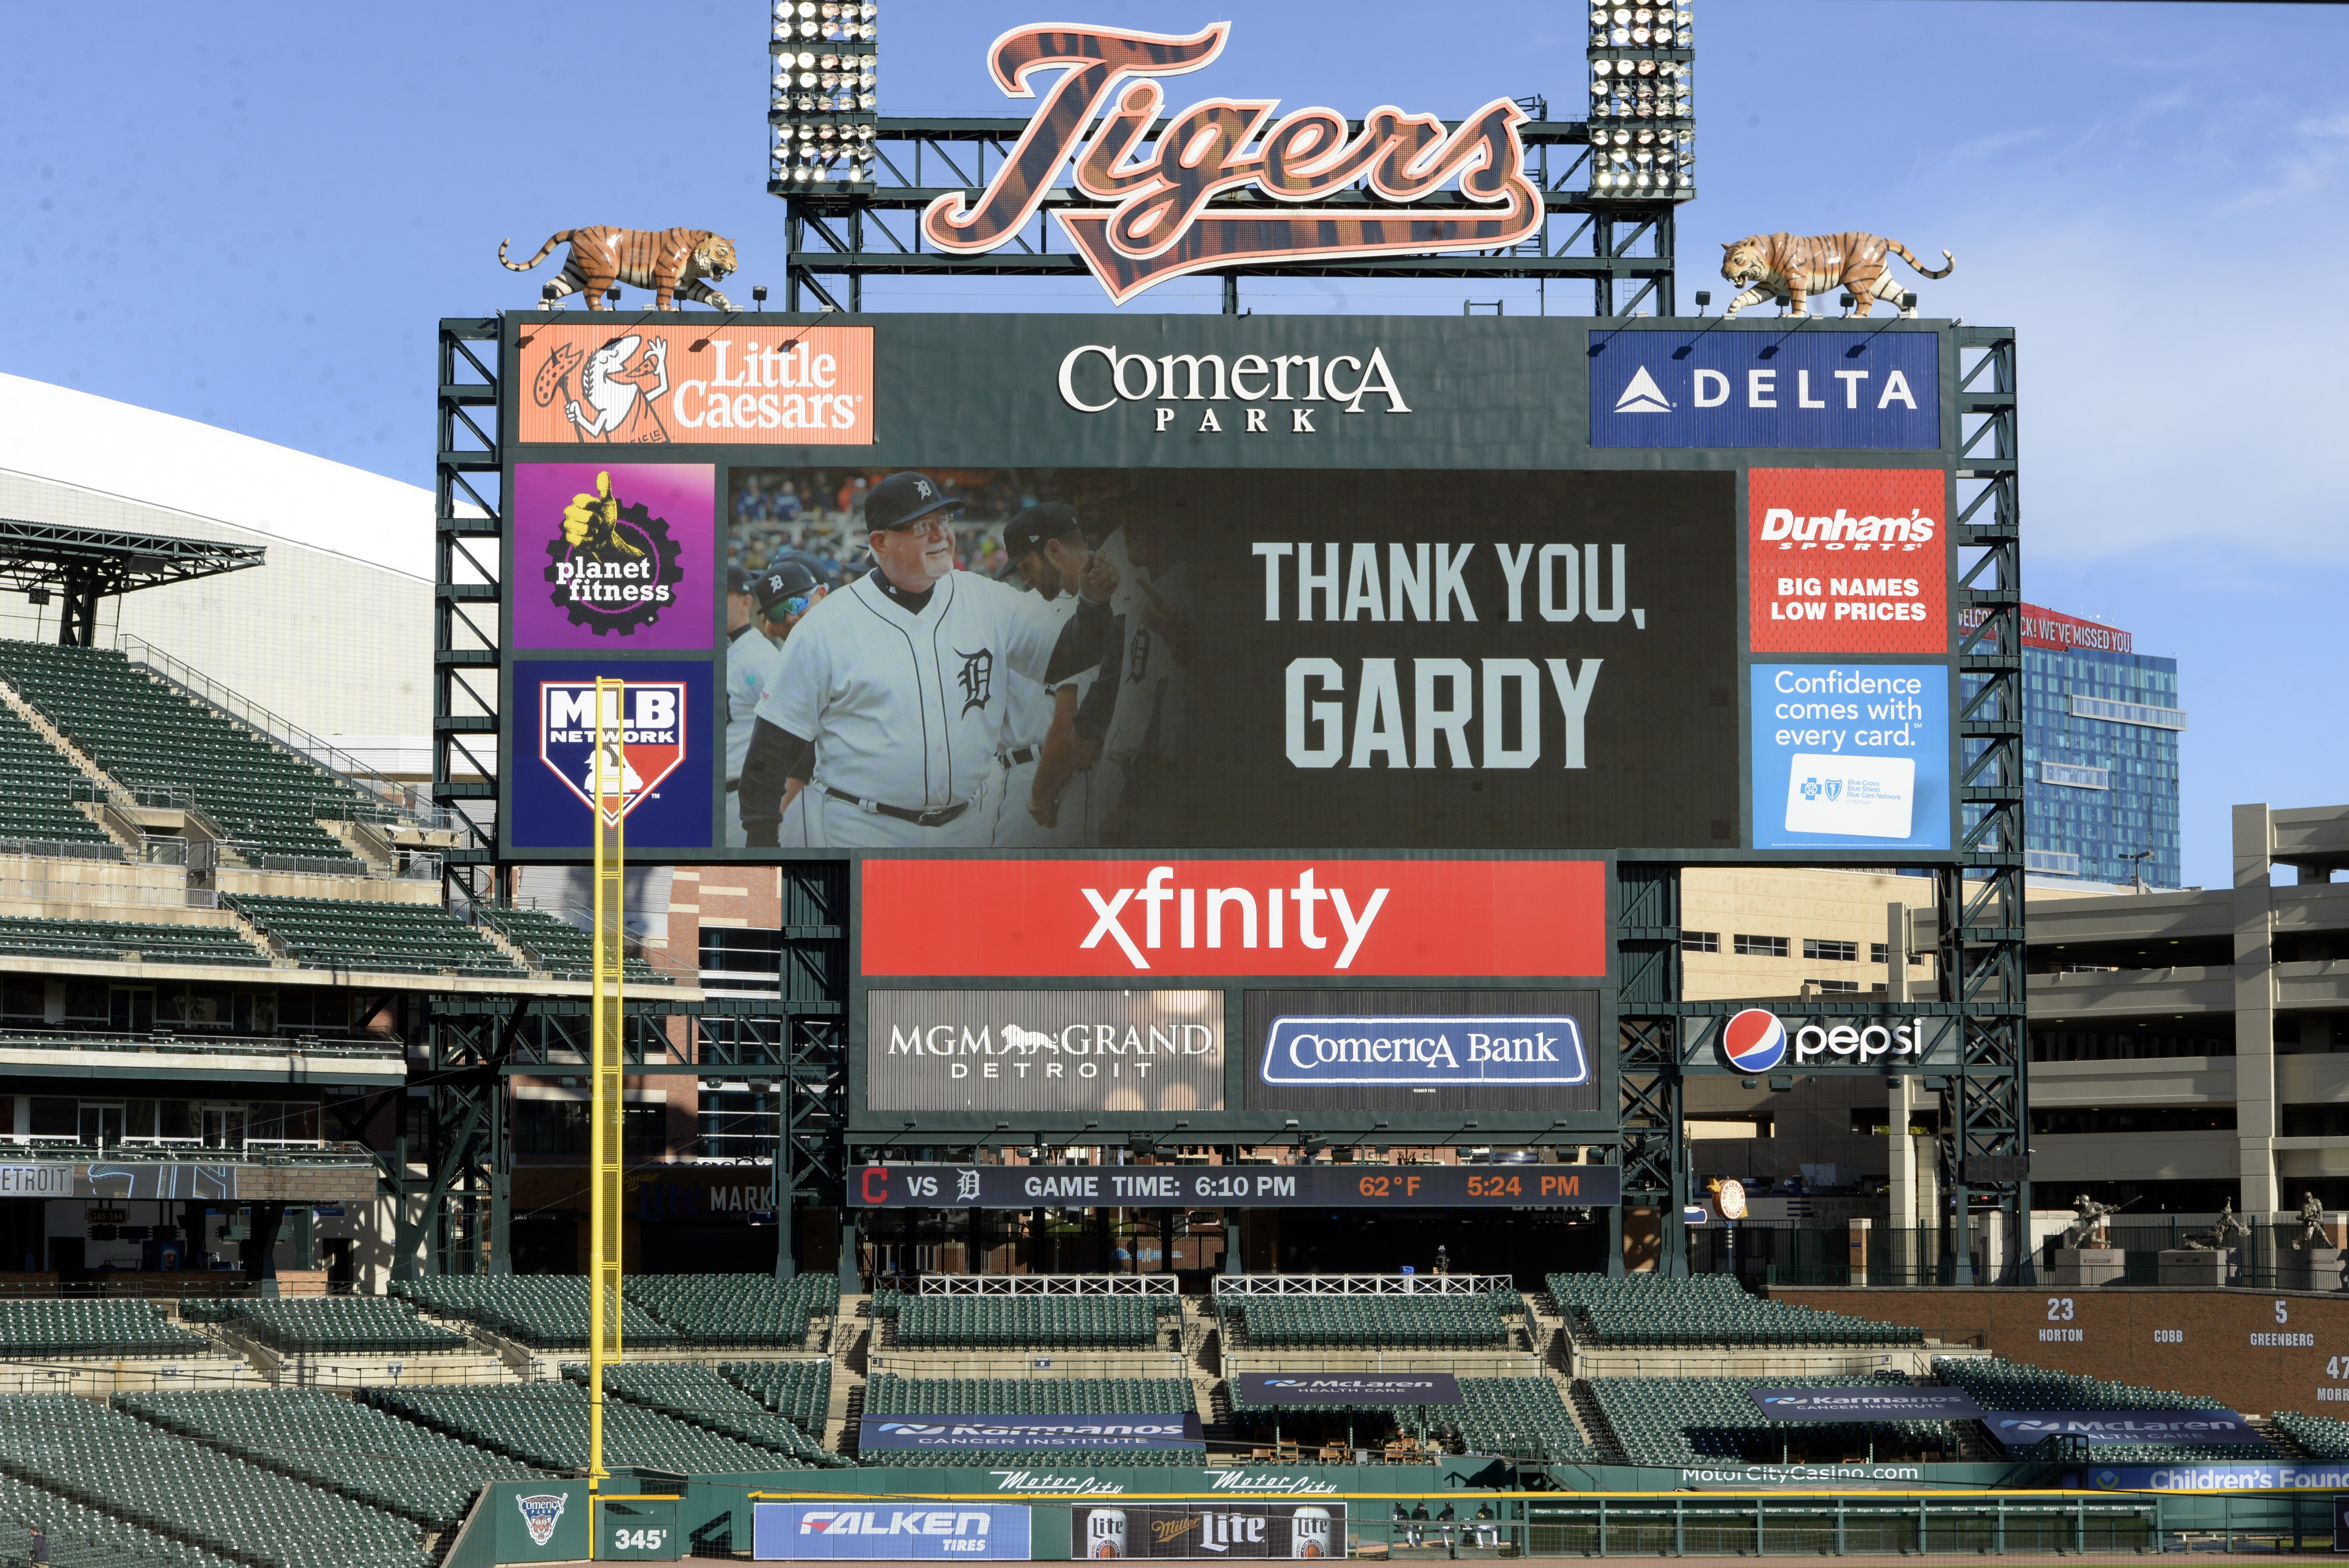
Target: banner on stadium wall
(2213,1477)
(1396,1050)
(1865,1404)
(924,1531)
(1348,1388)
(1063,1431)
(1875,390)
(2021,1429)
(1211,1529)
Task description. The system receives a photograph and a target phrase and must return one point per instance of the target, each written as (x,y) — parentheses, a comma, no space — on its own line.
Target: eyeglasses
(797,604)
(937,523)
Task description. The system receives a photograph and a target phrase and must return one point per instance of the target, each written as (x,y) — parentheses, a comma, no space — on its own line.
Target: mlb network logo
(649,717)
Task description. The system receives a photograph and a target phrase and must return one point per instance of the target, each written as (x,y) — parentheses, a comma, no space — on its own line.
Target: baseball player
(773,603)
(1124,705)
(1042,793)
(889,701)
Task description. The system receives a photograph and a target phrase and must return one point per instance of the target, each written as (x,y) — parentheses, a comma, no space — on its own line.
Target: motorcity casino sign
(1157,227)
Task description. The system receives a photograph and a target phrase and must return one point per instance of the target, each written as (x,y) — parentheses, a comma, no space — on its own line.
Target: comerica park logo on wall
(649,716)
(542,1511)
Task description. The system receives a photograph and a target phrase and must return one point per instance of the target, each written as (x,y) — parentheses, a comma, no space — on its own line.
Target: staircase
(2283,1442)
(1596,1431)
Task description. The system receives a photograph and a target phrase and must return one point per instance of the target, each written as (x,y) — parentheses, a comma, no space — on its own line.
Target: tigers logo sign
(1158,228)
(673,383)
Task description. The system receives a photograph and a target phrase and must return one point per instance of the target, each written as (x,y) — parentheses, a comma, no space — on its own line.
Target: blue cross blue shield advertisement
(1851,756)
(662,788)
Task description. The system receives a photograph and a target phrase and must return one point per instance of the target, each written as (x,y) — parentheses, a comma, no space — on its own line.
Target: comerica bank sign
(1358,1052)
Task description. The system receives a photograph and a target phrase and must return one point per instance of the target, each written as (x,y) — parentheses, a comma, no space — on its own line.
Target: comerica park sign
(1107,101)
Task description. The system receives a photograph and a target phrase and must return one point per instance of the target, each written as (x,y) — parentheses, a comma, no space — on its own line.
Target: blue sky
(252,215)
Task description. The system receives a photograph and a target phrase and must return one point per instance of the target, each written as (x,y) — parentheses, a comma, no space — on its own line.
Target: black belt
(1020,757)
(732,785)
(938,819)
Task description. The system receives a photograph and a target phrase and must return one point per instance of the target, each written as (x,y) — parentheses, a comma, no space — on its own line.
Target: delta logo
(649,719)
(1754,1041)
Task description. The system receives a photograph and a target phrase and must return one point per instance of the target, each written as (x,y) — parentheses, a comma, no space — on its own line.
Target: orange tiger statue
(1784,268)
(673,263)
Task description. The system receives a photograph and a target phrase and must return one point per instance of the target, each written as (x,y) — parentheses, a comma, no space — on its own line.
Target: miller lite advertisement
(656,779)
(1212,1529)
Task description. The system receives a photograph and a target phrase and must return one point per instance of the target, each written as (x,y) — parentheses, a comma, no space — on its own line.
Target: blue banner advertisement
(2278,1477)
(854,1530)
(2021,1429)
(1809,386)
(1060,1431)
(660,783)
(1851,757)
(1452,1053)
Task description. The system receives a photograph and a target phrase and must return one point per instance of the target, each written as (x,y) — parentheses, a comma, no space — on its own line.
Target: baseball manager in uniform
(888,703)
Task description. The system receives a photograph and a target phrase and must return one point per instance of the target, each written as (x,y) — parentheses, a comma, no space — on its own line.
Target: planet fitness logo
(1754,1041)
(613,563)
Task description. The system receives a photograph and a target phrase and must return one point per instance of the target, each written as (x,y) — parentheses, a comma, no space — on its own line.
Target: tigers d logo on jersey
(651,719)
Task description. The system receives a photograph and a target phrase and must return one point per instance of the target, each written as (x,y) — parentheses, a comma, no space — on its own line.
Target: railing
(134,895)
(271,726)
(1049,1285)
(411,865)
(62,849)
(216,1045)
(1362,1284)
(252,1151)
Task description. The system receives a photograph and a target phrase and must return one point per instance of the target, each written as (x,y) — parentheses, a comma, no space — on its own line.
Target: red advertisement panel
(1848,561)
(2045,628)
(1121,918)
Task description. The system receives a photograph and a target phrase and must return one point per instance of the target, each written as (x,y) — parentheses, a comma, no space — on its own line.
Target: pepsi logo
(1754,1041)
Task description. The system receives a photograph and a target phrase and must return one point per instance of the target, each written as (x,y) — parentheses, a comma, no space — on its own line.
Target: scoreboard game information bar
(1248,1186)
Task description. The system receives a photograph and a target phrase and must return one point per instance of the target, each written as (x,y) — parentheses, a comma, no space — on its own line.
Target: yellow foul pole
(604,1140)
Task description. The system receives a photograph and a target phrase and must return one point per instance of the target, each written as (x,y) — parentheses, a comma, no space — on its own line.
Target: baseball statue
(2214,1240)
(2312,1223)
(887,711)
(2088,1227)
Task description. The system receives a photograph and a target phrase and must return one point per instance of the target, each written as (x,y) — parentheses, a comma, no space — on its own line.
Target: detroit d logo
(611,563)
(978,678)
(540,1511)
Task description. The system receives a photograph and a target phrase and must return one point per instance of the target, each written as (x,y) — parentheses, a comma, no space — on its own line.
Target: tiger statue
(1781,266)
(673,263)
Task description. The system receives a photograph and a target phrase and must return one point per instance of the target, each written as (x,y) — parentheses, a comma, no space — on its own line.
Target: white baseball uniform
(1028,719)
(905,709)
(751,663)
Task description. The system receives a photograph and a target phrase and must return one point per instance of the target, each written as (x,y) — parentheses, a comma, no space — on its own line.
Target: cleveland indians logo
(1156,230)
(976,679)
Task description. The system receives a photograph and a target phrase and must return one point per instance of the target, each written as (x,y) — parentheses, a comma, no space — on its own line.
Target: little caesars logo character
(614,565)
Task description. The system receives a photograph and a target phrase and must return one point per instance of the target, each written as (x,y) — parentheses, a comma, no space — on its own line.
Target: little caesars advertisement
(1044,1050)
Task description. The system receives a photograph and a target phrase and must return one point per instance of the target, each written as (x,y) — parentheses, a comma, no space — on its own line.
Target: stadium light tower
(1642,103)
(820,101)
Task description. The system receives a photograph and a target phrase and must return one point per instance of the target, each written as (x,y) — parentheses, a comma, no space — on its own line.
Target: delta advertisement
(854,1530)
(1211,1529)
(1008,1433)
(1872,389)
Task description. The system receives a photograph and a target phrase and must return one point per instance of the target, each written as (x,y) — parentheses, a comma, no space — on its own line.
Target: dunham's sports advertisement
(1071,584)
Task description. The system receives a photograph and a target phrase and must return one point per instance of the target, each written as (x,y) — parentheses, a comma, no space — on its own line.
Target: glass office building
(2101,723)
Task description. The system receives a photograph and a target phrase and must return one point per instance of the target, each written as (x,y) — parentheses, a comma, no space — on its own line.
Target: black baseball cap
(780,581)
(1030,530)
(739,579)
(905,498)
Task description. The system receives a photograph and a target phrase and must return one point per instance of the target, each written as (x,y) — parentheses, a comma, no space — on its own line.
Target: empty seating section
(559,948)
(800,1390)
(886,1394)
(1042,1461)
(149,1477)
(1019,1322)
(329,1441)
(110,939)
(1706,1310)
(736,1310)
(36,1328)
(1411,1322)
(82,1537)
(546,1312)
(1706,1420)
(694,1393)
(2326,1439)
(150,736)
(357,1325)
(1524,1417)
(36,786)
(1998,1385)
(546,1424)
(345,934)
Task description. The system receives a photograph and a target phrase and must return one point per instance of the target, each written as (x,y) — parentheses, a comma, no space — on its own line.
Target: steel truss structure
(1985,1108)
(86,564)
(853,233)
(453,1192)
